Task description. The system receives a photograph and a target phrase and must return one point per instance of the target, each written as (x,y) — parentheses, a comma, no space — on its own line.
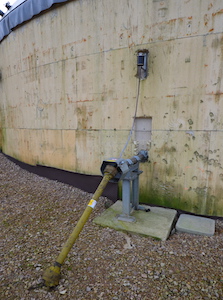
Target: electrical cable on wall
(142,73)
(133,123)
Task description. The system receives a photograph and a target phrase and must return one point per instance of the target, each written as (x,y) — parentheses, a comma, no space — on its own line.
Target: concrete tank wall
(68,93)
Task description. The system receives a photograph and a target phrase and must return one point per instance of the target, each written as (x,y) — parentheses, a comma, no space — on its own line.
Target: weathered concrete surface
(156,223)
(68,93)
(195,225)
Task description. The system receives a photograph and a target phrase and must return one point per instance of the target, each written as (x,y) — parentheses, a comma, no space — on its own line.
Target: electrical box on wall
(142,63)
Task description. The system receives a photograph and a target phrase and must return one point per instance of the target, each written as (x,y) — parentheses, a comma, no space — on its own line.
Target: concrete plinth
(195,225)
(156,223)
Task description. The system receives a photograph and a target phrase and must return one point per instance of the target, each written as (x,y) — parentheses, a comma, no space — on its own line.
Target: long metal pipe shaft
(83,219)
(51,275)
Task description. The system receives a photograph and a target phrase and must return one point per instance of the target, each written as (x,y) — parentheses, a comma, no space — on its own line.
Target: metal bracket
(128,171)
(130,194)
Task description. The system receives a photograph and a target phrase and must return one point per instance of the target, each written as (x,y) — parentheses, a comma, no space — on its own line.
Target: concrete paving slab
(156,223)
(195,225)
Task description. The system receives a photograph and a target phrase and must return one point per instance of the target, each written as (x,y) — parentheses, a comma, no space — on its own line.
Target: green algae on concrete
(156,223)
(174,201)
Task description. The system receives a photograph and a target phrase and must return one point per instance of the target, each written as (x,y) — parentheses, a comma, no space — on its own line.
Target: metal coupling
(142,156)
(111,170)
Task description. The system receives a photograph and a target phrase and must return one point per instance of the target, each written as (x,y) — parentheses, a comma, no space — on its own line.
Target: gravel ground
(36,217)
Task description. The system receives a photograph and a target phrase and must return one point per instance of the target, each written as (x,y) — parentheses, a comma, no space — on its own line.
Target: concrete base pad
(195,225)
(156,223)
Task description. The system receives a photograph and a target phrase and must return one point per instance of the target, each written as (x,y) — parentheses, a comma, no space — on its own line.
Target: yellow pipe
(51,275)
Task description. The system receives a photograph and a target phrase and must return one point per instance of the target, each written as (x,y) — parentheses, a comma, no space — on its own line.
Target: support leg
(135,192)
(126,202)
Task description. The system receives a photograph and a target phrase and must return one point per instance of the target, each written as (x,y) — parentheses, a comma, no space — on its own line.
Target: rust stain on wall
(67,91)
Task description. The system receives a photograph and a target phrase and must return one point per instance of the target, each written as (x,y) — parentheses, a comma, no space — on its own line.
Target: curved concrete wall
(68,93)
